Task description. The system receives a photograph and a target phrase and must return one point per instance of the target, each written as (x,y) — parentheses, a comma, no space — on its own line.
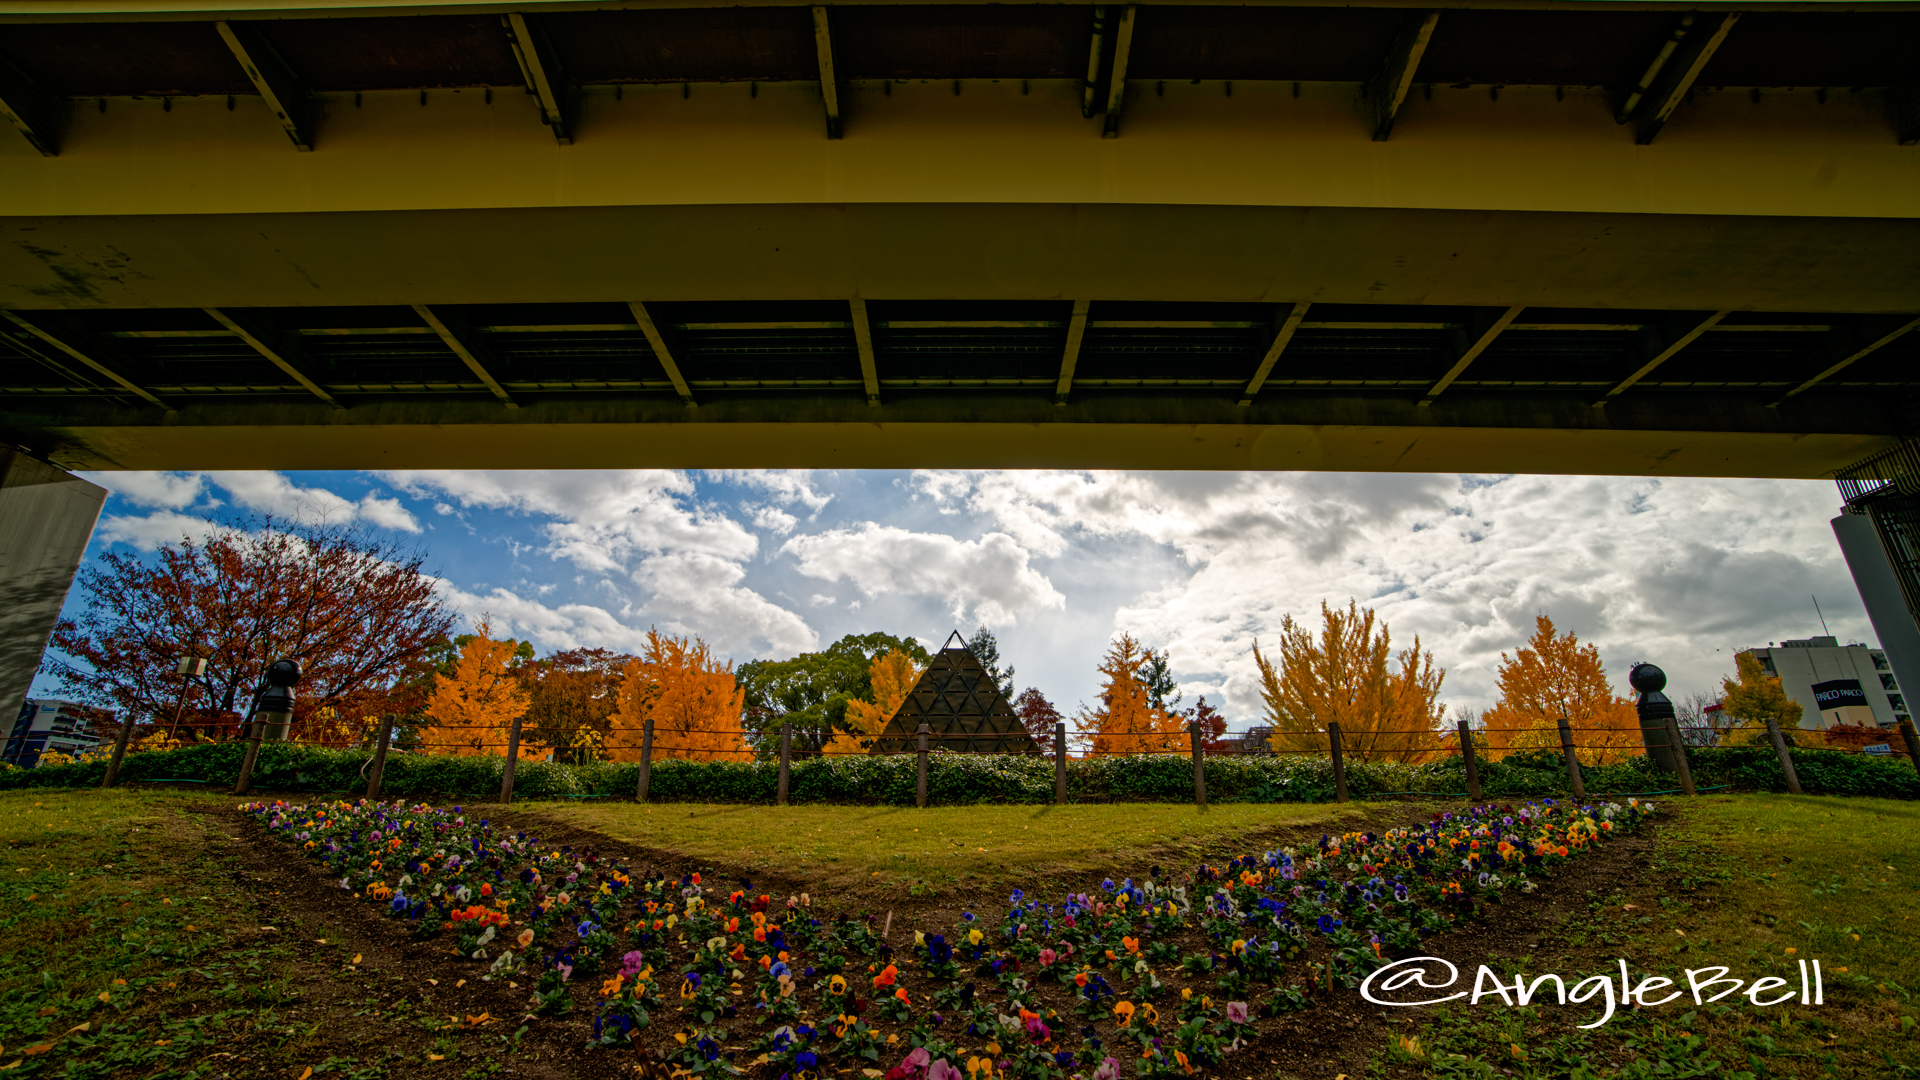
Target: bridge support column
(46,519)
(1895,622)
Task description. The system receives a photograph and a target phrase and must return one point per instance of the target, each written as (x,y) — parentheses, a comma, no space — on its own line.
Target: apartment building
(46,724)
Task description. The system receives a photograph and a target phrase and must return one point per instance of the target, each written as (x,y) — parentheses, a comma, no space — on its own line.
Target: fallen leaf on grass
(433,982)
(356,958)
(476,1021)
(14,1064)
(79,1027)
(871,1072)
(104,996)
(309,1072)
(436,1057)
(39,1048)
(460,984)
(163,1042)
(48,1011)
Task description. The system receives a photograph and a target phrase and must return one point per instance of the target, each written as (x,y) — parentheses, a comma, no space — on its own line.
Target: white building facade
(1835,683)
(46,725)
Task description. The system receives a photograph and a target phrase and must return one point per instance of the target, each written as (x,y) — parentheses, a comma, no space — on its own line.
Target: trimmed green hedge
(977,778)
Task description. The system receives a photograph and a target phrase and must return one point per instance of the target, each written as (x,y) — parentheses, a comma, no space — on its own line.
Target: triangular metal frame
(964,710)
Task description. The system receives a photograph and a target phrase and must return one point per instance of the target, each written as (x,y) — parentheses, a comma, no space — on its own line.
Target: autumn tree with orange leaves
(1554,676)
(572,696)
(893,674)
(472,709)
(1386,705)
(691,697)
(355,610)
(1127,720)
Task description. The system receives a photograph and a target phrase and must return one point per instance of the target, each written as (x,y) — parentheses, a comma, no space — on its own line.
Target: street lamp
(189,667)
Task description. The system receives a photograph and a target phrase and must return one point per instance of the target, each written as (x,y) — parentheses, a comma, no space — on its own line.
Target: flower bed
(1161,978)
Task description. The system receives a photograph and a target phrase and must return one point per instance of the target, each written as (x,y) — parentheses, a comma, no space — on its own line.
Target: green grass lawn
(133,943)
(948,844)
(116,954)
(1752,882)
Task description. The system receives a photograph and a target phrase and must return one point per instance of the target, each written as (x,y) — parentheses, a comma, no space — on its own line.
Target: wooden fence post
(921,798)
(1060,764)
(513,758)
(1339,763)
(646,759)
(1913,743)
(1574,779)
(1680,756)
(1473,766)
(1786,757)
(379,769)
(119,754)
(786,754)
(256,729)
(1199,768)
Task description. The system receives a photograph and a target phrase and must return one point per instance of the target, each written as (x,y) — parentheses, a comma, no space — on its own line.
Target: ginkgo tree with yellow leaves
(472,707)
(1753,697)
(1386,705)
(1128,720)
(1554,676)
(691,697)
(893,674)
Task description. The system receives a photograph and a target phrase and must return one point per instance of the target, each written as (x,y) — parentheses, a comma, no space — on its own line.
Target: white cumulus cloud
(988,579)
(648,528)
(162,490)
(1681,572)
(602,520)
(273,493)
(155,530)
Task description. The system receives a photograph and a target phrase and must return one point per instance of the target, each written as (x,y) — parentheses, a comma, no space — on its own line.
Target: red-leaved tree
(357,613)
(1213,726)
(1038,715)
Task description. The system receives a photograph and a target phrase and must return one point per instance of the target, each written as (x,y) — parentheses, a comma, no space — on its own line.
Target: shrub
(956,779)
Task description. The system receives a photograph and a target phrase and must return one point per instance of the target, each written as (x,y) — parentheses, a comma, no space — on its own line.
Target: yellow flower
(975,937)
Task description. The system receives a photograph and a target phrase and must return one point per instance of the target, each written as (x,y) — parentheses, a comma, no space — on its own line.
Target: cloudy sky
(1680,572)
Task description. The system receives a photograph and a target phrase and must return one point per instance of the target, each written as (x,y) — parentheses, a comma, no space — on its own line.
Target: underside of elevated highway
(1493,235)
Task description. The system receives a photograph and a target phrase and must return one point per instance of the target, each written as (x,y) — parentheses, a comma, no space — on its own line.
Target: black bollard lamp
(275,711)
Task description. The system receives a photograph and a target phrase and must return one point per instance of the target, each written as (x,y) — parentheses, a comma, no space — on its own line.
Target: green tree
(809,693)
(986,649)
(1755,697)
(1157,676)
